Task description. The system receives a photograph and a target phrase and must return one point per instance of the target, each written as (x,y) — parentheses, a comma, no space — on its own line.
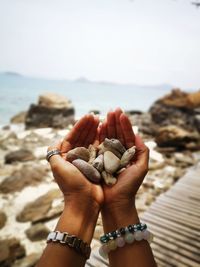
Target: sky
(143,42)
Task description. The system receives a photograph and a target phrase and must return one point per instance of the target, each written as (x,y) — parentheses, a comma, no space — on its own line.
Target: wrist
(79,219)
(117,215)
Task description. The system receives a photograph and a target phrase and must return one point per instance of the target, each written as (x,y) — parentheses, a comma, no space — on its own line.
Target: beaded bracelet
(122,236)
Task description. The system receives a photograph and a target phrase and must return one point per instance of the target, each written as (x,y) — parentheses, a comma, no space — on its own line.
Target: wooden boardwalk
(174,218)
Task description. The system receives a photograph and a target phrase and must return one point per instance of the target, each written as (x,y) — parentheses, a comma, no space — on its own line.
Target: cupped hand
(117,125)
(72,182)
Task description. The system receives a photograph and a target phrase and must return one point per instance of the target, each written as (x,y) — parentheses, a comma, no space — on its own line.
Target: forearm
(78,220)
(139,253)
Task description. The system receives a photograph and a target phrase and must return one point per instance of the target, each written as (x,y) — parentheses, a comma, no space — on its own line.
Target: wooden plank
(178,239)
(162,258)
(183,198)
(189,187)
(183,230)
(178,217)
(177,206)
(180,251)
(172,257)
(190,194)
(168,199)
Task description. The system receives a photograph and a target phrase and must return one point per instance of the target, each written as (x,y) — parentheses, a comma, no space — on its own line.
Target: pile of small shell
(104,162)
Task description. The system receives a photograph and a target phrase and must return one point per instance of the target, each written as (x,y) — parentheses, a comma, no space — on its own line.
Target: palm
(118,126)
(83,134)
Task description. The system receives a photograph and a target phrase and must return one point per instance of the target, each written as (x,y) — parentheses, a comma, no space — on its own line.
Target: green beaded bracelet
(122,231)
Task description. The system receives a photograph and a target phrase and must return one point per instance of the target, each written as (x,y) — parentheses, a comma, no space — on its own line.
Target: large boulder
(29,261)
(19,155)
(52,110)
(10,250)
(178,109)
(19,118)
(37,232)
(29,174)
(41,209)
(170,136)
(3,219)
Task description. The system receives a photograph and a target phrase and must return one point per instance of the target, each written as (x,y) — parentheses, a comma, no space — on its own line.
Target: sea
(17,92)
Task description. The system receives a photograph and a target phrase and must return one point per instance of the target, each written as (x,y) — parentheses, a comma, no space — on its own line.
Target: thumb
(142,154)
(57,163)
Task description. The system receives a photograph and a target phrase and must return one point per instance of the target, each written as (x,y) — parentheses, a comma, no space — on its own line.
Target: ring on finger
(52,153)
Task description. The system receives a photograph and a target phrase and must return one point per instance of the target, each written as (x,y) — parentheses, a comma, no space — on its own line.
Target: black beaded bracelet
(122,231)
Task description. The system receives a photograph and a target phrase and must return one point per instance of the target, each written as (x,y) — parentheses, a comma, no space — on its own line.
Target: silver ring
(52,153)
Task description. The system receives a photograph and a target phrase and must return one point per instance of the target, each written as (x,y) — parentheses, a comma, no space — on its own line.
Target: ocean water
(18,92)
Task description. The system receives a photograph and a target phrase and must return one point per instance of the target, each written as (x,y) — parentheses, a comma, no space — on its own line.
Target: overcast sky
(139,41)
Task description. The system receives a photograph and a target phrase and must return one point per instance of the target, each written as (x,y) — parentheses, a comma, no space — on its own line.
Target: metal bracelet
(70,240)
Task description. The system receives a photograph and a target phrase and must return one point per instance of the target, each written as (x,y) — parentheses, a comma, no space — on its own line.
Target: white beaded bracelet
(120,241)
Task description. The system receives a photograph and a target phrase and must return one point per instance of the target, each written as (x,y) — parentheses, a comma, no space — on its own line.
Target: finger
(93,133)
(127,130)
(111,125)
(74,134)
(85,132)
(103,132)
(142,153)
(119,133)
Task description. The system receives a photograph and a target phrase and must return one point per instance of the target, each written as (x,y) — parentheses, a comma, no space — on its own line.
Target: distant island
(84,80)
(11,73)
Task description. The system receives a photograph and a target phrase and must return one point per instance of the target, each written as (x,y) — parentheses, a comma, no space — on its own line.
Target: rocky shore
(30,199)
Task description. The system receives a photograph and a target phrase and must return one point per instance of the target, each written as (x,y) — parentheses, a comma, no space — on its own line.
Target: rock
(29,174)
(114,144)
(143,122)
(52,100)
(5,136)
(19,155)
(121,170)
(194,99)
(98,163)
(37,232)
(111,162)
(88,170)
(94,111)
(127,157)
(133,112)
(39,209)
(78,153)
(29,261)
(10,250)
(175,136)
(154,165)
(3,219)
(19,118)
(52,110)
(109,179)
(177,108)
(103,149)
(93,152)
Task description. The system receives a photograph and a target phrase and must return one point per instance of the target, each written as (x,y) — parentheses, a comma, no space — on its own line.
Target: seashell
(109,179)
(127,156)
(115,144)
(98,163)
(121,170)
(88,170)
(103,149)
(78,153)
(111,162)
(93,153)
